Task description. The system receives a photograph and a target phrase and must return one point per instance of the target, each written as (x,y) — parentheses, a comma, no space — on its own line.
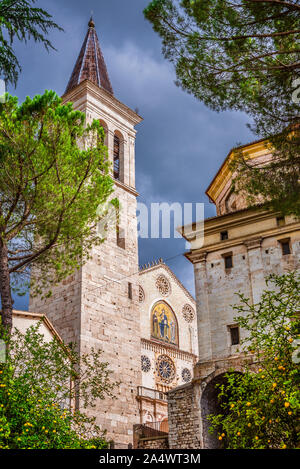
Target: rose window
(146,364)
(188,313)
(163,285)
(165,369)
(186,375)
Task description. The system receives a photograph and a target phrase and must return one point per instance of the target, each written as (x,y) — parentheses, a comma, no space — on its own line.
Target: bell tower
(98,305)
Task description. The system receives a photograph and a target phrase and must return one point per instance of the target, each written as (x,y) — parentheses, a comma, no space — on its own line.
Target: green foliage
(20,20)
(261,407)
(233,55)
(37,384)
(244,56)
(275,182)
(54,175)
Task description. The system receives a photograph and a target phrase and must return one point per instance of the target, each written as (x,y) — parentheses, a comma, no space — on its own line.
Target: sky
(180,144)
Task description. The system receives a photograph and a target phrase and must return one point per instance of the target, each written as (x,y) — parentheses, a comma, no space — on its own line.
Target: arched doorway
(211,404)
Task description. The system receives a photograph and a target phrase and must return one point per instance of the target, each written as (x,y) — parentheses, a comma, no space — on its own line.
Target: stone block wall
(157,442)
(184,417)
(254,242)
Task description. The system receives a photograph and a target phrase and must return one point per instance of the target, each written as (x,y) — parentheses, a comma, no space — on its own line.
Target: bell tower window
(116,157)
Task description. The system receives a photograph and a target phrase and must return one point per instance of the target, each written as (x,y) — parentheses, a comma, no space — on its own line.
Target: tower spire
(90,64)
(91,22)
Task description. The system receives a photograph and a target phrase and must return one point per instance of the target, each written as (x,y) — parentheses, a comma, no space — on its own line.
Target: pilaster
(203,313)
(256,268)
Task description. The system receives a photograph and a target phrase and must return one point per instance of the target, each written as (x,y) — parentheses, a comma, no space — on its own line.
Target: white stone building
(242,246)
(169,345)
(108,304)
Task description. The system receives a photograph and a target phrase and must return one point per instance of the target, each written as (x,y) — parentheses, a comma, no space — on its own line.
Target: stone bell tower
(98,305)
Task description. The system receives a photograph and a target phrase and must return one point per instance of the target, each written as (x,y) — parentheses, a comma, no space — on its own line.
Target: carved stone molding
(253,243)
(197,258)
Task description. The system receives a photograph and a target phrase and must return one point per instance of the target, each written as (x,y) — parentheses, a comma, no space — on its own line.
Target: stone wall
(189,405)
(254,241)
(184,417)
(156,442)
(149,438)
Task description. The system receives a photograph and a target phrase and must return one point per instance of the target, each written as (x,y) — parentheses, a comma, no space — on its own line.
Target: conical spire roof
(90,64)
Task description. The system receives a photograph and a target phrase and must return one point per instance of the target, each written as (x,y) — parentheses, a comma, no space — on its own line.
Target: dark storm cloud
(180,144)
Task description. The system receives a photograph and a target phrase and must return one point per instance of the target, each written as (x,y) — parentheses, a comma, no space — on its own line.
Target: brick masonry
(148,438)
(184,417)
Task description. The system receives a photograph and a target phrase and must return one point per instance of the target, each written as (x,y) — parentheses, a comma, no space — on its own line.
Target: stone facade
(254,242)
(145,437)
(241,247)
(160,289)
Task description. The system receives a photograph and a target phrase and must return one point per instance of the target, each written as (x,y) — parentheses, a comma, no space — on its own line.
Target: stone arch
(211,404)
(105,128)
(118,156)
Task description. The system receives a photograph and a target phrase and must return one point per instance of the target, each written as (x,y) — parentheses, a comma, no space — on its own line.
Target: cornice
(126,188)
(102,95)
(250,241)
(231,220)
(253,243)
(172,351)
(196,257)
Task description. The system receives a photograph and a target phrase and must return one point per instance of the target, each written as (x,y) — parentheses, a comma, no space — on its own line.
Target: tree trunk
(5,293)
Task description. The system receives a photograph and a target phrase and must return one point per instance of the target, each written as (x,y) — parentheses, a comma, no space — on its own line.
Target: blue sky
(180,144)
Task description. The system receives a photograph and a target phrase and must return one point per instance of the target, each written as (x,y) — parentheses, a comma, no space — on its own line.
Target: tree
(54,175)
(261,408)
(243,55)
(276,183)
(37,394)
(19,20)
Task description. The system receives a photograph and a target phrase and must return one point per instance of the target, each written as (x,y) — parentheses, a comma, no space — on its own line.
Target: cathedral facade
(169,346)
(143,321)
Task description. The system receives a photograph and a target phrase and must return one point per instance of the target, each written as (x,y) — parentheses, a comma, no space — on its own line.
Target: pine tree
(20,20)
